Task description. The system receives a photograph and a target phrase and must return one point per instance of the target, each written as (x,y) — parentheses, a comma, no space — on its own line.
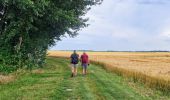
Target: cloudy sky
(124,25)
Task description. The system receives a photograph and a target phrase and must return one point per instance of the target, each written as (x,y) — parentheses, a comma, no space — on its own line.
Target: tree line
(29,27)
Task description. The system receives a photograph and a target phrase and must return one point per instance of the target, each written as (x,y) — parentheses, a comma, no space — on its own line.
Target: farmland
(152,68)
(154,64)
(104,80)
(53,82)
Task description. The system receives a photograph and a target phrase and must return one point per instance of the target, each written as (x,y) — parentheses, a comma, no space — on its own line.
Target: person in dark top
(84,62)
(74,61)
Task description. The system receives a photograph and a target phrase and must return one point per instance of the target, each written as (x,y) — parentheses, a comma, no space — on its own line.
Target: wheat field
(153,68)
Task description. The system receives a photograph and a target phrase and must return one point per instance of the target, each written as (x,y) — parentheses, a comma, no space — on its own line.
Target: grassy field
(53,82)
(152,68)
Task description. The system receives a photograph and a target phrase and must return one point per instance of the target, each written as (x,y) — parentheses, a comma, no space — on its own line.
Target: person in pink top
(84,62)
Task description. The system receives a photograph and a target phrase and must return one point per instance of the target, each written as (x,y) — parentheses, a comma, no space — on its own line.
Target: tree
(29,27)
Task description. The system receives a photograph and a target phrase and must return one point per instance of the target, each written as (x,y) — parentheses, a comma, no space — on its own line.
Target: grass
(54,83)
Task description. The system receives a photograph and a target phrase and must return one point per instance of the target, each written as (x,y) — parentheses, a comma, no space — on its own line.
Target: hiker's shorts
(84,66)
(74,65)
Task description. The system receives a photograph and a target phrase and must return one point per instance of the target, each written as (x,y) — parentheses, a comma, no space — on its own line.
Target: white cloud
(124,32)
(105,19)
(166,33)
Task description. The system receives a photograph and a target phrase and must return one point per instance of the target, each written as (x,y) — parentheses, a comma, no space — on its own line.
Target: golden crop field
(135,64)
(154,64)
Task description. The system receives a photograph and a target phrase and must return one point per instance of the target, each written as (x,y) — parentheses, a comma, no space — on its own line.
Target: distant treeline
(140,51)
(115,51)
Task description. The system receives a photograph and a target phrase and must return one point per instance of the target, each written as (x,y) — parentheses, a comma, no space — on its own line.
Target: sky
(123,25)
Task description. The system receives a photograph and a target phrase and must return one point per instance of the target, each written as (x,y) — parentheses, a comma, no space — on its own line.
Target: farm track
(54,83)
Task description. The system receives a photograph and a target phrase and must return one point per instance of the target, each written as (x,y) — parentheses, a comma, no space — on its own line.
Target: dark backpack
(74,58)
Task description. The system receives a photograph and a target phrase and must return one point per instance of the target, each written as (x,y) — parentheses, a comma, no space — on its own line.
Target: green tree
(29,27)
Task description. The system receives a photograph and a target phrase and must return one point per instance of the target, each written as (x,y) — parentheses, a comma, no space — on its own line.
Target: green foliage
(29,27)
(7,69)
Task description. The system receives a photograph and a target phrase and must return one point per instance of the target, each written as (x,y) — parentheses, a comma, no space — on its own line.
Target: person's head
(74,51)
(84,52)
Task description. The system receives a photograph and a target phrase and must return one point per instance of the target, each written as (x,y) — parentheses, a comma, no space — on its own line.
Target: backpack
(74,58)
